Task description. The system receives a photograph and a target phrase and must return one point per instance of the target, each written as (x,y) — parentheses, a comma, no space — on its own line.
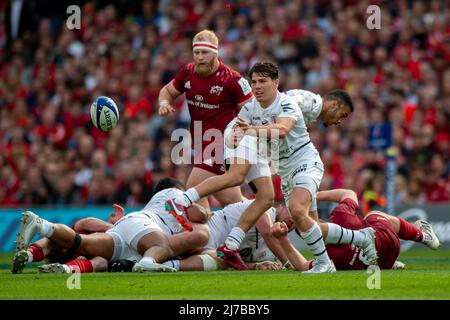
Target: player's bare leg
(420,231)
(219,185)
(225,197)
(186,242)
(199,262)
(310,232)
(155,249)
(263,201)
(97,244)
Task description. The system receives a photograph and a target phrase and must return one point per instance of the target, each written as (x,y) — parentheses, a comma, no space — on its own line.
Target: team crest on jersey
(187,85)
(216,90)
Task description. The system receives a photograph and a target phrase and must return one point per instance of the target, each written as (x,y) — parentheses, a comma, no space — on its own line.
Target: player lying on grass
(253,248)
(138,233)
(44,248)
(388,229)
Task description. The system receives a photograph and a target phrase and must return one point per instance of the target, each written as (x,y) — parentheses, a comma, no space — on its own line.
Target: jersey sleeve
(290,110)
(309,103)
(240,89)
(179,79)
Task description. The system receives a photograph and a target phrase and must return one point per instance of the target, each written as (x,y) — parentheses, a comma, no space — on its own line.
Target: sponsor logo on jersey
(246,89)
(216,90)
(187,85)
(199,97)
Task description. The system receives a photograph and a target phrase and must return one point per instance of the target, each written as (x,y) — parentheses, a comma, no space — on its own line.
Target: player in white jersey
(335,106)
(253,248)
(243,163)
(142,233)
(278,118)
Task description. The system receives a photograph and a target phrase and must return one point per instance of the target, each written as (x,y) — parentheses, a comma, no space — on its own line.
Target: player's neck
(267,103)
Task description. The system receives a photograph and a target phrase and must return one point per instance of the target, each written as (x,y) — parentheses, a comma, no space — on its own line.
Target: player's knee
(200,238)
(210,263)
(265,199)
(299,211)
(235,178)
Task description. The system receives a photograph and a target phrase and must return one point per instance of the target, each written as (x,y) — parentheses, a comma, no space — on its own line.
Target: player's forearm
(274,246)
(336,195)
(165,96)
(272,131)
(297,260)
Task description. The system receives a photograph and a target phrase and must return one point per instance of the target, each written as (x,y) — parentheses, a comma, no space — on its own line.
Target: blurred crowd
(50,153)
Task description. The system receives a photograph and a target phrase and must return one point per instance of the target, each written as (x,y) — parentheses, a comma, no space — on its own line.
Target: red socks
(36,252)
(409,231)
(82,266)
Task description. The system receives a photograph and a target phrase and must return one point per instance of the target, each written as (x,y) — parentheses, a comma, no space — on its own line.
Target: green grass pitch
(427,277)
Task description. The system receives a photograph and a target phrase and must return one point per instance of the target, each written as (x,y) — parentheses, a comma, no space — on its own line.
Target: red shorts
(210,157)
(387,241)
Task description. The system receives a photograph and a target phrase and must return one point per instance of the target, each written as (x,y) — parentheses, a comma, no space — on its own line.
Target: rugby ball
(104,113)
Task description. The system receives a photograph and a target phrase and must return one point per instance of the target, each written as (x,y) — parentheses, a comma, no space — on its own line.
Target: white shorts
(247,149)
(307,175)
(122,250)
(135,225)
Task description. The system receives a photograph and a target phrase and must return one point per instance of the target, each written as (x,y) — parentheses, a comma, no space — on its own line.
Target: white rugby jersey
(309,102)
(157,206)
(297,140)
(253,247)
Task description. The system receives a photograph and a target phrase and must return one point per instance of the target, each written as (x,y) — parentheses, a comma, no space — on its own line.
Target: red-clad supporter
(49,76)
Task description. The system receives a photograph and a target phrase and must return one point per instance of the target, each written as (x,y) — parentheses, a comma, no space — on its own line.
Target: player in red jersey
(388,230)
(214,94)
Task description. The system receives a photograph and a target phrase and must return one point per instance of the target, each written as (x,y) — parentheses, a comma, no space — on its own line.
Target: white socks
(173,264)
(337,234)
(188,197)
(47,229)
(313,238)
(235,238)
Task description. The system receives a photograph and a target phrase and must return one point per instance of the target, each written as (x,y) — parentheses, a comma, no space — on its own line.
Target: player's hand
(118,214)
(234,138)
(279,230)
(242,124)
(268,265)
(165,108)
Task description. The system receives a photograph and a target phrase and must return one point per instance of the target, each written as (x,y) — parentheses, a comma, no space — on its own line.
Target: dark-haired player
(388,230)
(278,118)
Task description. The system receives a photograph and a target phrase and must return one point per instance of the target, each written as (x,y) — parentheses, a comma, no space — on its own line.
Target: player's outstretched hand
(165,109)
(268,265)
(279,230)
(242,124)
(118,214)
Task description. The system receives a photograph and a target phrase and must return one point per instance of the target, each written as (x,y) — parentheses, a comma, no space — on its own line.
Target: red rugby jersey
(214,99)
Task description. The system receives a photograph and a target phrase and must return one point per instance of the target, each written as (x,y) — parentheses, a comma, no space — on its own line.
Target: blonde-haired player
(214,94)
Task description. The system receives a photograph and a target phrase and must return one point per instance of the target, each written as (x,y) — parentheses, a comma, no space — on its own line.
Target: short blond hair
(208,36)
